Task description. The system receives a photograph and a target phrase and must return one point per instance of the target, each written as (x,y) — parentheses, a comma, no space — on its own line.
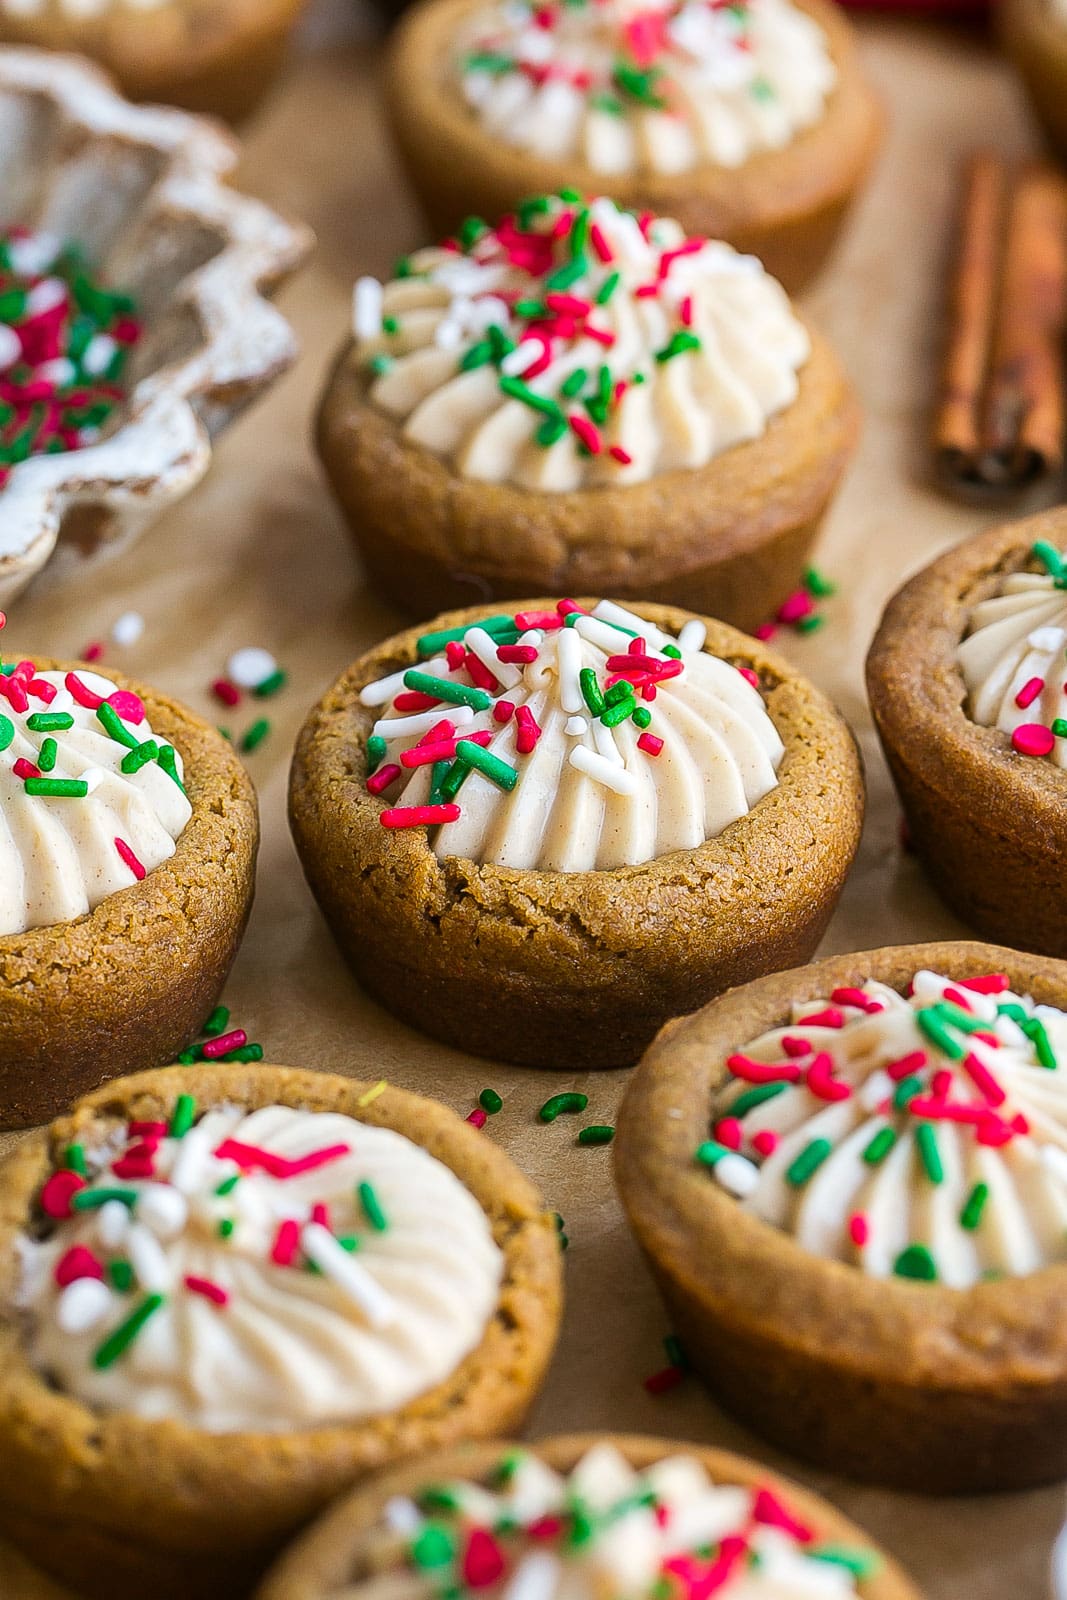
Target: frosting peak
(622,86)
(923,1136)
(603,1532)
(1014,660)
(577,345)
(570,742)
(90,800)
(275,1270)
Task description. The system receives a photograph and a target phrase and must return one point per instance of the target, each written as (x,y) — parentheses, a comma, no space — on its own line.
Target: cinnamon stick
(1001,418)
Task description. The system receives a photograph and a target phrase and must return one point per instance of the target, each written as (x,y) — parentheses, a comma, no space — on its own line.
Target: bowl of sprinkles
(132,320)
(753,122)
(967,678)
(850,1183)
(229,1292)
(591,816)
(591,1516)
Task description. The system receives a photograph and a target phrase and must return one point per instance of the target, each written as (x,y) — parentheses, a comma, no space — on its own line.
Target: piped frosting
(569,741)
(663,88)
(922,1136)
(577,345)
(265,1271)
(1014,659)
(90,799)
(602,1532)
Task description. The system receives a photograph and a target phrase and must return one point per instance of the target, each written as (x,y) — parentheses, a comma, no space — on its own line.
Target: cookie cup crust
(989,825)
(913,1385)
(574,969)
(131,982)
(326,1558)
(224,66)
(785,206)
(730,538)
(109,1500)
(1036,40)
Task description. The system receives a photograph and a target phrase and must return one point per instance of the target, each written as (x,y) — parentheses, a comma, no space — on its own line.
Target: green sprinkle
(1059,727)
(255,735)
(607,288)
(808,1162)
(380,365)
(372,1208)
(642,716)
(573,382)
(673,651)
(216,1023)
(551,431)
(113,724)
(957,1018)
(490,766)
(121,1276)
(499,342)
(7,731)
(390,325)
(971,1215)
(187,1057)
(50,722)
(639,85)
(675,1351)
(617,713)
(880,1146)
(905,1092)
(711,1152)
(457,694)
(818,586)
(530,308)
(183,1116)
(270,685)
(933,1025)
(93,1199)
(567,276)
(119,1342)
(434,1547)
(58,788)
(756,1097)
(439,1498)
(591,691)
(1050,559)
(596,1133)
(916,1262)
(1034,1029)
(619,692)
(47,754)
(376,748)
(74,1160)
(679,343)
(529,397)
(809,624)
(489,61)
(226,1227)
(861,1563)
(560,1103)
(471,230)
(437,778)
(228,1185)
(929,1154)
(134,760)
(169,764)
(579,235)
(490,1101)
(454,779)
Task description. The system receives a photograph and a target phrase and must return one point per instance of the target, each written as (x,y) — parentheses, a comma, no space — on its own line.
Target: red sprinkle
(983,1080)
(829,1018)
(859,1229)
(770,1511)
(135,866)
(796,1047)
(525,620)
(503,711)
(907,1065)
(992,983)
(728,1132)
(478,1118)
(749,676)
(821,1081)
(650,743)
(528,731)
(127,705)
(483,1560)
(227,692)
(1033,739)
(415,700)
(93,651)
(765,1142)
(763,1071)
(25,769)
(419,816)
(77,1262)
(286,1241)
(211,1049)
(856,998)
(58,1192)
(522,653)
(210,1291)
(1029,692)
(663,1381)
(623,457)
(380,780)
(81,693)
(586,433)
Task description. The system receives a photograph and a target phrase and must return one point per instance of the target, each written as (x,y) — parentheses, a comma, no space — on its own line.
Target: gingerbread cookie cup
(107,1496)
(332,1558)
(132,980)
(785,206)
(591,963)
(729,539)
(1034,33)
(988,821)
(909,1383)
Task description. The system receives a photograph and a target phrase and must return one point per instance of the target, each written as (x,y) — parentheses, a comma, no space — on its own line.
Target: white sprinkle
(878,1088)
(577,726)
(383,689)
(401,1515)
(186,1174)
(93,777)
(113,1223)
(320,1246)
(516,361)
(1055,1160)
(608,611)
(423,721)
(532,636)
(34,254)
(569,656)
(604,739)
(164,1209)
(250,667)
(10,347)
(59,372)
(736,1174)
(367,308)
(1049,641)
(488,312)
(99,354)
(45,296)
(485,649)
(448,335)
(128,628)
(83,1305)
(535,1578)
(693,635)
(927,986)
(148,1260)
(594,766)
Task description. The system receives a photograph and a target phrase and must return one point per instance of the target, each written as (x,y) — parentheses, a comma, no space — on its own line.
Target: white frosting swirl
(664,87)
(670,1525)
(660,353)
(1014,660)
(246,1336)
(588,796)
(78,10)
(60,856)
(924,1136)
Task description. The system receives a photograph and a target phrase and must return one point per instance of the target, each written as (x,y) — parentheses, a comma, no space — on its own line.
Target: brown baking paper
(258,556)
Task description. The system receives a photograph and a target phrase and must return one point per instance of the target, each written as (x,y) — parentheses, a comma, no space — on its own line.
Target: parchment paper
(258,556)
